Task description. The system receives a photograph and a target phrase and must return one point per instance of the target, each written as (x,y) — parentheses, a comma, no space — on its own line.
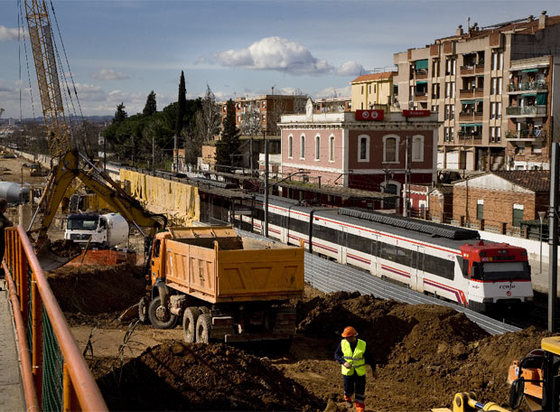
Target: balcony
(466,70)
(527,111)
(526,135)
(470,93)
(524,86)
(421,75)
(421,97)
(479,68)
(469,136)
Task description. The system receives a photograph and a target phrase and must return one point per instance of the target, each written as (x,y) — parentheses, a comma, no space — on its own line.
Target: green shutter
(517,217)
(421,64)
(541,98)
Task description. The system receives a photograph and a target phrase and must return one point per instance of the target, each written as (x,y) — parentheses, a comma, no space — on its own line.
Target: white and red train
(441,260)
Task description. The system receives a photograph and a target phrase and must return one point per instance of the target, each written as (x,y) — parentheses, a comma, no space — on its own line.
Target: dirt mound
(92,290)
(425,353)
(177,376)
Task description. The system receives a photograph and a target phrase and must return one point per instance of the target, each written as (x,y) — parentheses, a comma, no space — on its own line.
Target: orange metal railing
(36,309)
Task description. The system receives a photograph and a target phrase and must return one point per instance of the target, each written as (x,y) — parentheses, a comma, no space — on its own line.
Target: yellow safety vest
(355,359)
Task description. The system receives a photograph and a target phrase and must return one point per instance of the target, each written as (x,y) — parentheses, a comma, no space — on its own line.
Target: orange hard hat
(349,331)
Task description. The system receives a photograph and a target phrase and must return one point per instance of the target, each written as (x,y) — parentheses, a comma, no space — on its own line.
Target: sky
(119,51)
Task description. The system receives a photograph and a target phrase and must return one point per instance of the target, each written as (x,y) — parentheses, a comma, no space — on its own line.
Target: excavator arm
(69,168)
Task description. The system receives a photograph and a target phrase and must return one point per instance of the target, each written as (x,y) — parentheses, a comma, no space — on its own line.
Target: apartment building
(253,114)
(493,89)
(373,90)
(333,105)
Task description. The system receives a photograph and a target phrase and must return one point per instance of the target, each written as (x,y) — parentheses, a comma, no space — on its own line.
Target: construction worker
(353,357)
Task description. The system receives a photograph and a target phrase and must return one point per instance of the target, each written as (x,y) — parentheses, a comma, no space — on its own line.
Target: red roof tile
(535,180)
(373,76)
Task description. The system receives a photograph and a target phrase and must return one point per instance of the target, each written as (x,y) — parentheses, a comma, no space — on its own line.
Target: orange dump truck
(222,286)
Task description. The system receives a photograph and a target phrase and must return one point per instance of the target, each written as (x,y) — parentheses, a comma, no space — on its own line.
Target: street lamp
(542,214)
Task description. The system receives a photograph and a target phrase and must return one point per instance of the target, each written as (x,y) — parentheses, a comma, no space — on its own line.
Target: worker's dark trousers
(355,384)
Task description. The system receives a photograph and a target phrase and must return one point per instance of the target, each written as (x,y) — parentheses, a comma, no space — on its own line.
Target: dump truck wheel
(189,324)
(204,309)
(160,317)
(143,310)
(203,327)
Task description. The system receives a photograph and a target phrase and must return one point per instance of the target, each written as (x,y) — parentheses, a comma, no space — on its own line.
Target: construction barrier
(55,375)
(179,201)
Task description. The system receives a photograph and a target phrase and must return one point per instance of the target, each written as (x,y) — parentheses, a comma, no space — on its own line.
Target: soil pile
(90,293)
(425,353)
(177,376)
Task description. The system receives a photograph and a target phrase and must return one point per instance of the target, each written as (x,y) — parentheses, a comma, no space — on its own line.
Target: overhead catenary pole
(553,237)
(265,184)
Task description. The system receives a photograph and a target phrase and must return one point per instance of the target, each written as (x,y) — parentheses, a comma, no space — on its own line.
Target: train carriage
(442,260)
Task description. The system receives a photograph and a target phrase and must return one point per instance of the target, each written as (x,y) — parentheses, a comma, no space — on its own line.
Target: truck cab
(101,231)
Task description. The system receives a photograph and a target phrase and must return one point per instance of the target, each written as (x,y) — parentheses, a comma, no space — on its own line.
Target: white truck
(100,231)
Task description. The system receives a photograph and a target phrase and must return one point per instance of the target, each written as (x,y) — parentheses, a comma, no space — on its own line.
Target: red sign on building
(416,113)
(370,115)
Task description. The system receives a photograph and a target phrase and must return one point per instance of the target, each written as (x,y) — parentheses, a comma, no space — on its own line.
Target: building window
(496,85)
(390,149)
(480,209)
(449,111)
(302,147)
(331,149)
(450,89)
(495,134)
(493,110)
(317,147)
(290,146)
(435,68)
(418,149)
(435,91)
(497,60)
(375,88)
(517,215)
(450,66)
(362,89)
(363,149)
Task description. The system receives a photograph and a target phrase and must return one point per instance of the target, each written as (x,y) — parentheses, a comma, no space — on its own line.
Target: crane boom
(69,164)
(44,57)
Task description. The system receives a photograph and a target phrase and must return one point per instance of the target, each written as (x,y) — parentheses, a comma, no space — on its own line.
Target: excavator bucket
(52,256)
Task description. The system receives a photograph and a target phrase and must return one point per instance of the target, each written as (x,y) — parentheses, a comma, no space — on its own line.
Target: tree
(120,114)
(181,105)
(208,120)
(151,106)
(227,148)
(251,124)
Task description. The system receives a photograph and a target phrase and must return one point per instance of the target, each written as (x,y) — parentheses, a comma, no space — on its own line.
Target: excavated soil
(96,294)
(424,354)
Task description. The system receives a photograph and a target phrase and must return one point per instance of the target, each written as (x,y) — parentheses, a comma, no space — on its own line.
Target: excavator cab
(537,377)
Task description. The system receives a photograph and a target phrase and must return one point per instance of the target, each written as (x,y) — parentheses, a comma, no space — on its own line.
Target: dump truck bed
(218,266)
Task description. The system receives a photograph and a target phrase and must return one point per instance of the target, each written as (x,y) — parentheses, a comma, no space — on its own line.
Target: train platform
(11,386)
(539,277)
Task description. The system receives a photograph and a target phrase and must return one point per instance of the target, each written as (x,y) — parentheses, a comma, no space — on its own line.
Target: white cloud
(330,92)
(90,92)
(109,74)
(8,34)
(350,68)
(275,53)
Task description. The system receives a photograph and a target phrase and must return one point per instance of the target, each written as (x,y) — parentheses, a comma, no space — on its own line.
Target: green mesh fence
(52,369)
(30,317)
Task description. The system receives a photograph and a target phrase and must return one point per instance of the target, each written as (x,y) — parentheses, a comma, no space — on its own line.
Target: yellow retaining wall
(180,202)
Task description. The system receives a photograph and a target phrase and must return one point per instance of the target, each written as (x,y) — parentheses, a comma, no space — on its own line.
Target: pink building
(368,149)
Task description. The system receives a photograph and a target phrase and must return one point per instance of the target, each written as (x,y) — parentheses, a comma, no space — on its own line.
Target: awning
(421,82)
(530,70)
(421,64)
(467,101)
(528,94)
(472,125)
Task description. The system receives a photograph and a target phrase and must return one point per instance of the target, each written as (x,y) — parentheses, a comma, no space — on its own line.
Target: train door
(342,245)
(373,253)
(419,269)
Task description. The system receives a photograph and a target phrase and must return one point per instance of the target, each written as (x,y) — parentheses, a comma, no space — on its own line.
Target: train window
(388,251)
(325,233)
(299,226)
(439,267)
(358,243)
(275,219)
(464,266)
(476,272)
(403,256)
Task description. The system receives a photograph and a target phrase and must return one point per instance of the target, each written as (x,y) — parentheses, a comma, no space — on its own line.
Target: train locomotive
(448,262)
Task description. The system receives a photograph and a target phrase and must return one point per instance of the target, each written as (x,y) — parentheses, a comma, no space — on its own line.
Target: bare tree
(251,122)
(208,121)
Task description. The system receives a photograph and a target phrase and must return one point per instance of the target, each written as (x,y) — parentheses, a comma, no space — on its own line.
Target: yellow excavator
(67,163)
